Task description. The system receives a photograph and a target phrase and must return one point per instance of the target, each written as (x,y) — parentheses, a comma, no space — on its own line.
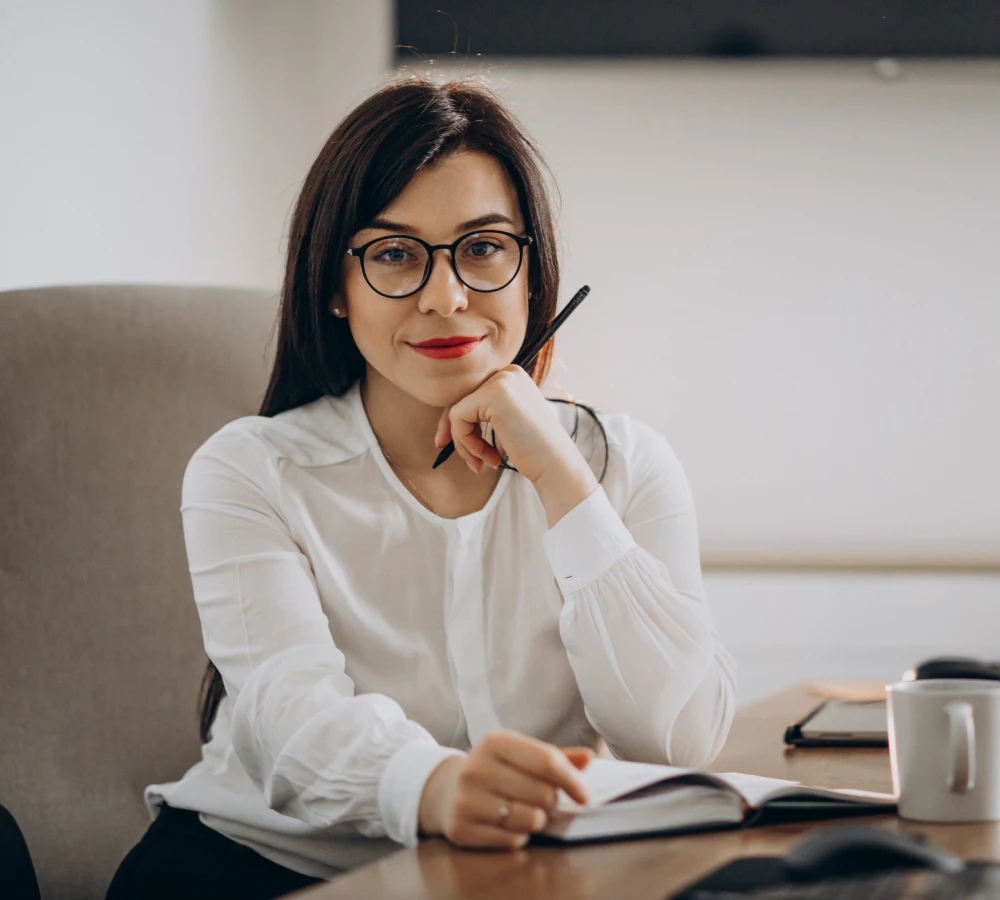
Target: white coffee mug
(944,747)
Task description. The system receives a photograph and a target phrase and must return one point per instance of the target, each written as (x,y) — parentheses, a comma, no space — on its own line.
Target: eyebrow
(481,222)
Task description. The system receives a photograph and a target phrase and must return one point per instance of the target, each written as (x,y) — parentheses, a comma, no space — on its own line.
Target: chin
(442,395)
(445,390)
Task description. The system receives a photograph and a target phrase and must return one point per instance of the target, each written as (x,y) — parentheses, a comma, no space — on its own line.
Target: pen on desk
(527,356)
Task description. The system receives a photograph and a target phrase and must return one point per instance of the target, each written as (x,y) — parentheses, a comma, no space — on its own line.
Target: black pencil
(527,356)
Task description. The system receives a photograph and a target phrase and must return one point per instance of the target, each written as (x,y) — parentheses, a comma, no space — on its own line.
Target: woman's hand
(466,796)
(529,433)
(524,424)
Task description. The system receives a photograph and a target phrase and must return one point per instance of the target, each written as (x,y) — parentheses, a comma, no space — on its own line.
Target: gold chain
(419,493)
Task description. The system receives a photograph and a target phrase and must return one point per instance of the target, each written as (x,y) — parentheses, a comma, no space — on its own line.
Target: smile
(451,351)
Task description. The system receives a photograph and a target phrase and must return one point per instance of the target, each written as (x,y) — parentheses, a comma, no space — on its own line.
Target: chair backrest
(107,392)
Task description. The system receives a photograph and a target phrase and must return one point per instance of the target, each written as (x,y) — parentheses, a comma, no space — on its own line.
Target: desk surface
(650,869)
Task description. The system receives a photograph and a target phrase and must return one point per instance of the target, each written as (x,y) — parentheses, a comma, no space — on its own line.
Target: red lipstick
(447,347)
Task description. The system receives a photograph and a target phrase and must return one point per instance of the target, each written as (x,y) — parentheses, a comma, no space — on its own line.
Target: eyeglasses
(399,265)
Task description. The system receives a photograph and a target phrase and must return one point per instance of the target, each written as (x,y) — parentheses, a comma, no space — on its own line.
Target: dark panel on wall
(644,28)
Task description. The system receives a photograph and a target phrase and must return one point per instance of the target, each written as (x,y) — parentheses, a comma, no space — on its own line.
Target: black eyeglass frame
(359,254)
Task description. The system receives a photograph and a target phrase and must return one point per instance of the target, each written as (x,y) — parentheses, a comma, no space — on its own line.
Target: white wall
(792,268)
(794,276)
(785,628)
(166,141)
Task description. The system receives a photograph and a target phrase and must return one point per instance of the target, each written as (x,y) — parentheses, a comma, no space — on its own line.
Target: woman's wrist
(563,487)
(432,798)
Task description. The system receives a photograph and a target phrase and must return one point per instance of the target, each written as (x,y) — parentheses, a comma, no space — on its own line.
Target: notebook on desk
(629,798)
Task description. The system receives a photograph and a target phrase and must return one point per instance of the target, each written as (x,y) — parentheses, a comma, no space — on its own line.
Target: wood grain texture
(652,869)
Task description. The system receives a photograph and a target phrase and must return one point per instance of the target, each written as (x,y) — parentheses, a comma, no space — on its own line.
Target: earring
(337,312)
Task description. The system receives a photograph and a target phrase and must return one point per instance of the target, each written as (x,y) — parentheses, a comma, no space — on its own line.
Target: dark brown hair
(406,126)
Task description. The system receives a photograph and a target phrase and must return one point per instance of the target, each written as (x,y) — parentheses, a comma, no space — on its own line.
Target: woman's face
(439,205)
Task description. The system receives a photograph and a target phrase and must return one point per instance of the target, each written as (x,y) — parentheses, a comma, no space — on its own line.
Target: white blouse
(362,638)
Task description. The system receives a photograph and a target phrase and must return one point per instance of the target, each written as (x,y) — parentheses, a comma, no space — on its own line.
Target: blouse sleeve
(318,752)
(656,683)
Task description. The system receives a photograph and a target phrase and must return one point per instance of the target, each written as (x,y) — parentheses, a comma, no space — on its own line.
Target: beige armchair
(107,392)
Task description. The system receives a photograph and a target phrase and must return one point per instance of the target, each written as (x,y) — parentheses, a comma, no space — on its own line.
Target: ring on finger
(514,816)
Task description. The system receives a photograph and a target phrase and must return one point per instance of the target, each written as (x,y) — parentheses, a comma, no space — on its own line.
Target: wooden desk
(650,869)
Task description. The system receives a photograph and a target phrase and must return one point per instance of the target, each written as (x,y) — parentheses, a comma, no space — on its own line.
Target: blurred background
(789,222)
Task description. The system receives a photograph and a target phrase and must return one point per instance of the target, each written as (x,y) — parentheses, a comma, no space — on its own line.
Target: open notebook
(635,798)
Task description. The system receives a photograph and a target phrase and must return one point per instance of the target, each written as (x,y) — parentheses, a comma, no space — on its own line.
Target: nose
(442,293)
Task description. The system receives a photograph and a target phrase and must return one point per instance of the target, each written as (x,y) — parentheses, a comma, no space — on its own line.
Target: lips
(448,341)
(435,349)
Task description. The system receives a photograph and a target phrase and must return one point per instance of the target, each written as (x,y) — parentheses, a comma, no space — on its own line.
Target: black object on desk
(954,667)
(841,723)
(847,723)
(858,850)
(851,861)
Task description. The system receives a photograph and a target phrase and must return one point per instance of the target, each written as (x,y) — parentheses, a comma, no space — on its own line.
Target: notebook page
(610,778)
(758,790)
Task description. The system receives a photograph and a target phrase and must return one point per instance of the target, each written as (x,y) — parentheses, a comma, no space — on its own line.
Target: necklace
(417,490)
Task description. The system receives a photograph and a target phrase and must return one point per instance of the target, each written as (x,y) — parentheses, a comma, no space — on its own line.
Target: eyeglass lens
(485,261)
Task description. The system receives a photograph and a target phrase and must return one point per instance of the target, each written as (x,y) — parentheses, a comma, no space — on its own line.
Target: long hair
(401,129)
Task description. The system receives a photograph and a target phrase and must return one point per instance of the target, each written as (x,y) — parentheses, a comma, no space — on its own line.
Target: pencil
(527,356)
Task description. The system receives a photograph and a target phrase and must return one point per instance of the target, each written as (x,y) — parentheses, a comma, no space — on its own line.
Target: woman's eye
(392,255)
(481,248)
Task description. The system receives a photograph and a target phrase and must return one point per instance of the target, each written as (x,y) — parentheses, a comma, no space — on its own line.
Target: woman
(398,650)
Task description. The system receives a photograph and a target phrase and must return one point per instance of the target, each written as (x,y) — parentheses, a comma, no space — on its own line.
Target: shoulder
(320,433)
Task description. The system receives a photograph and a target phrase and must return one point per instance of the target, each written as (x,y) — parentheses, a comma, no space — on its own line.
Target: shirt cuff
(402,784)
(586,542)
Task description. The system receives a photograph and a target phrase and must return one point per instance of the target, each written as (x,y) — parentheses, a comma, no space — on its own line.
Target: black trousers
(179,857)
(17,874)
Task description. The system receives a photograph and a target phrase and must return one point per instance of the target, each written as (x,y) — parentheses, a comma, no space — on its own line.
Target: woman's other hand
(466,796)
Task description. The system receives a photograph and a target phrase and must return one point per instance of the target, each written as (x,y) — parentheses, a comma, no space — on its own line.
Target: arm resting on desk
(656,683)
(340,762)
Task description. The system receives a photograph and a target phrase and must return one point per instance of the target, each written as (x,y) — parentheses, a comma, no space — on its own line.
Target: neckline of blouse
(362,422)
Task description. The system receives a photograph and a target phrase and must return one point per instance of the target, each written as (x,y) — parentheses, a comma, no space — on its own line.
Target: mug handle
(961,746)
